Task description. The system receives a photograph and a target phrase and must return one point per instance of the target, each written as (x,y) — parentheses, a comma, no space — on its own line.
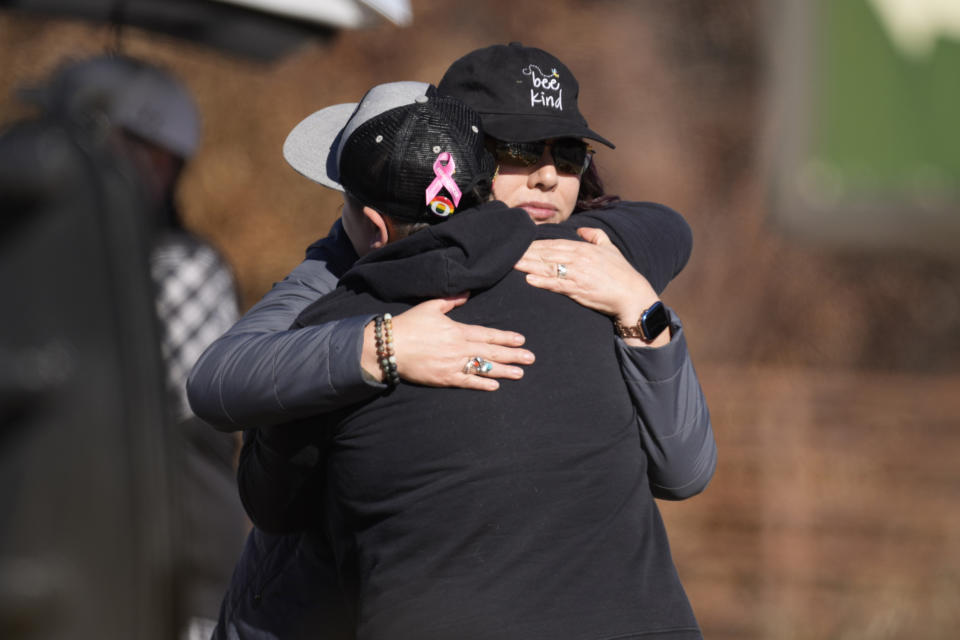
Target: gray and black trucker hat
(403,150)
(314,146)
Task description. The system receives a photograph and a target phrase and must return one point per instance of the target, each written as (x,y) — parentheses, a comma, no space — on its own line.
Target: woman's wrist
(635,325)
(634,295)
(632,307)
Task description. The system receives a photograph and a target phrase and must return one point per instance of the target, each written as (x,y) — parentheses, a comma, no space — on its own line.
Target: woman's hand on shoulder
(595,274)
(433,350)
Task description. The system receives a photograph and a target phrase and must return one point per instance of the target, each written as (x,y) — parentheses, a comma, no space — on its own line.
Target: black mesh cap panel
(387,162)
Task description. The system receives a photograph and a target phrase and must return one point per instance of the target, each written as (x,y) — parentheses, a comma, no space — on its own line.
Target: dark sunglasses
(569,154)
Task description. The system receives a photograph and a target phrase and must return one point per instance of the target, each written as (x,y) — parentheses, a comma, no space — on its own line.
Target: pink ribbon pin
(443,168)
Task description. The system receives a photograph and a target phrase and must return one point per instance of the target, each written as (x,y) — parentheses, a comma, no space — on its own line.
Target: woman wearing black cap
(527,100)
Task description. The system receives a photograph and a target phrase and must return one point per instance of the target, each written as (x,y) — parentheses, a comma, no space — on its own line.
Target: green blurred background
(884,114)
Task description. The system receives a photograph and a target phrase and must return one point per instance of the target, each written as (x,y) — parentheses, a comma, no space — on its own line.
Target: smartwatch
(652,323)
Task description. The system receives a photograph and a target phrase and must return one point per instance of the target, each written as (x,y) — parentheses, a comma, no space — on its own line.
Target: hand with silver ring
(477,366)
(594,273)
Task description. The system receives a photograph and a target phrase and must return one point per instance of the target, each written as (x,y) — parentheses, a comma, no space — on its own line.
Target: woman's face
(546,194)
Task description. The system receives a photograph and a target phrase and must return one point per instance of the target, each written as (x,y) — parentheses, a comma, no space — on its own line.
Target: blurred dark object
(247,32)
(87,539)
(148,122)
(97,171)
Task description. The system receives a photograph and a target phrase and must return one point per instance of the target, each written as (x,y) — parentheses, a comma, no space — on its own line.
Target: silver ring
(477,366)
(561,270)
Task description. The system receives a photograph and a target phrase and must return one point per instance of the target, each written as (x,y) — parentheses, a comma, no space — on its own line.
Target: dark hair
(592,195)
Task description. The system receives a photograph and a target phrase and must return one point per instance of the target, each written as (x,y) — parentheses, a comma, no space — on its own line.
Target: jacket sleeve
(672,415)
(262,373)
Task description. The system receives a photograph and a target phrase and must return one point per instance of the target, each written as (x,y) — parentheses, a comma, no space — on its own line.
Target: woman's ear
(380,228)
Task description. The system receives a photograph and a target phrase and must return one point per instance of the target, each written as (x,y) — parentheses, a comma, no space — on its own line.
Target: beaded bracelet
(387,357)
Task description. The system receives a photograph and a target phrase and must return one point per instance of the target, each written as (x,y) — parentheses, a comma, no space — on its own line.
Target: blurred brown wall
(836,491)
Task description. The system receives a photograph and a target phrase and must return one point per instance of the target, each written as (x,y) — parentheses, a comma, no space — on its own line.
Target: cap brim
(518,128)
(311,147)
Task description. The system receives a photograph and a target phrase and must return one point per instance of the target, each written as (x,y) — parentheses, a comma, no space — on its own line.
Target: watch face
(654,320)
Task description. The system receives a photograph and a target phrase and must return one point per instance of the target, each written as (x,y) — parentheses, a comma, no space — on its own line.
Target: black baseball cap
(522,93)
(402,150)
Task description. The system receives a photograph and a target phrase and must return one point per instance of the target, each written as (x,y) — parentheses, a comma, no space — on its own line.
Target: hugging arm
(262,373)
(672,413)
(619,272)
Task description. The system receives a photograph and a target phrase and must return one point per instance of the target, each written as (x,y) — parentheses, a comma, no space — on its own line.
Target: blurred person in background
(261,374)
(152,125)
